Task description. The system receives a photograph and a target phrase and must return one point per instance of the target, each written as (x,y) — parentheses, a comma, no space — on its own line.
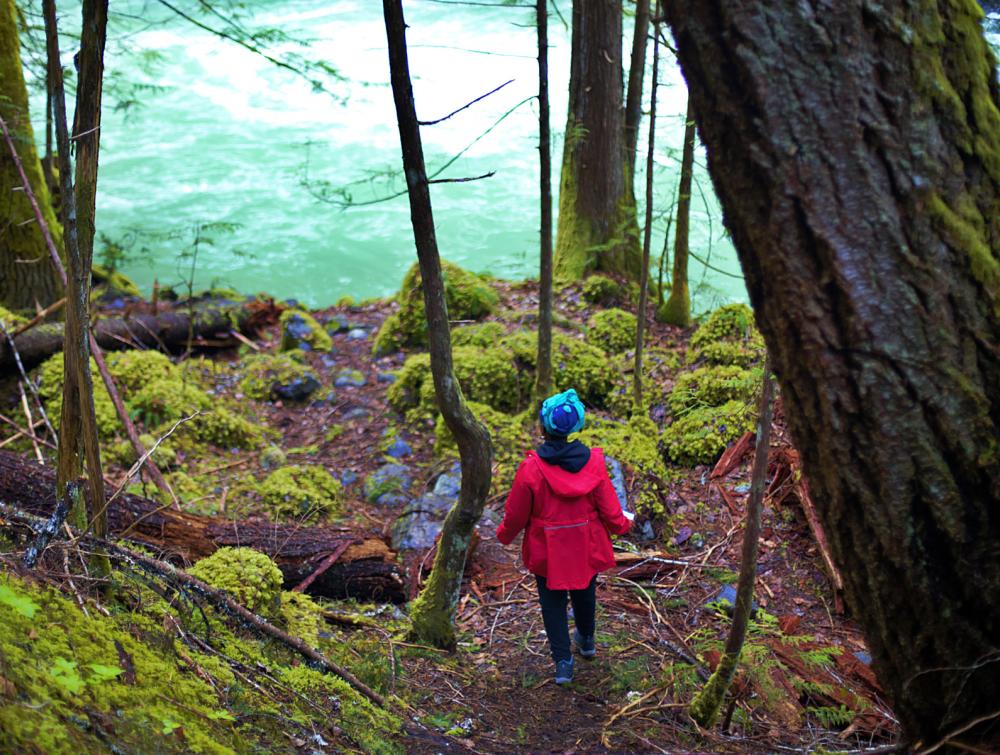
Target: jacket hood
(571,456)
(574,484)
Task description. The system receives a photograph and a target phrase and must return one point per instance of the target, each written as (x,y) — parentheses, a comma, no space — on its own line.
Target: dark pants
(554,615)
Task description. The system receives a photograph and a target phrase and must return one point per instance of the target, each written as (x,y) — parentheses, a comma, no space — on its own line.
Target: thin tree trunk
(636,74)
(854,147)
(647,234)
(706,704)
(543,376)
(677,309)
(433,611)
(597,227)
(78,425)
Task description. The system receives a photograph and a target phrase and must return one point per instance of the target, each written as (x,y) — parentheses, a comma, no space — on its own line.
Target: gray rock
(358,412)
(298,389)
(296,329)
(617,481)
(413,531)
(357,334)
(646,531)
(392,499)
(349,379)
(387,478)
(386,377)
(450,483)
(431,503)
(399,449)
(725,600)
(348,477)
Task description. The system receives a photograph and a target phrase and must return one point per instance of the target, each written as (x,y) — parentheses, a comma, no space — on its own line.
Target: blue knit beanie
(562,413)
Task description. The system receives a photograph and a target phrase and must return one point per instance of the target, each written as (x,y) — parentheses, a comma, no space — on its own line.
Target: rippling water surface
(234,140)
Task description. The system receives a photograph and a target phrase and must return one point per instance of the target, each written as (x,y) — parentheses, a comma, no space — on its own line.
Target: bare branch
(465,106)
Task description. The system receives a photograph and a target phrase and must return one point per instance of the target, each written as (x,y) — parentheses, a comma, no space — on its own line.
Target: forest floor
(806,684)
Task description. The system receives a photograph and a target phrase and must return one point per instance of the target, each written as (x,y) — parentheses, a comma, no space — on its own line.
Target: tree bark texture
(366,568)
(543,373)
(647,231)
(855,147)
(597,228)
(26,277)
(433,611)
(636,75)
(677,308)
(165,331)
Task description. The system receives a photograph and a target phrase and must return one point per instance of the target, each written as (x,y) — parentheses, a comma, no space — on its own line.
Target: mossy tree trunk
(706,704)
(855,148)
(27,278)
(636,75)
(647,232)
(78,425)
(433,611)
(676,310)
(543,373)
(597,228)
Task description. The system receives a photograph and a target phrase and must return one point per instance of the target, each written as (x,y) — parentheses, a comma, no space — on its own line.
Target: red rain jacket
(566,517)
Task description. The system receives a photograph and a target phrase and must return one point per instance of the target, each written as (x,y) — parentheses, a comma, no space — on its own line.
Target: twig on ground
(31,422)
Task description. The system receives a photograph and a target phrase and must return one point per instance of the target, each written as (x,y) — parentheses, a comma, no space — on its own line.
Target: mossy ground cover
(493,693)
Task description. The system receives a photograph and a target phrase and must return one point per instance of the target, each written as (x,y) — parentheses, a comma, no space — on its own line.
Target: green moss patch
(602,290)
(701,435)
(251,577)
(713,386)
(468,296)
(612,330)
(302,493)
(298,327)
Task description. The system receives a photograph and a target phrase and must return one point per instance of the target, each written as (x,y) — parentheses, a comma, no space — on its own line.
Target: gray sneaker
(585,646)
(564,671)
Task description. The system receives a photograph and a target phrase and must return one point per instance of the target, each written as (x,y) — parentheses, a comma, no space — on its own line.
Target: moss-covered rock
(468,296)
(265,374)
(482,335)
(134,369)
(302,493)
(251,577)
(302,616)
(50,388)
(511,437)
(701,435)
(167,400)
(602,290)
(10,319)
(731,321)
(108,283)
(612,330)
(713,386)
(299,330)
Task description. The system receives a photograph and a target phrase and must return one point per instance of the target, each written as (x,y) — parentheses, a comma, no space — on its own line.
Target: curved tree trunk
(26,276)
(433,611)
(856,150)
(597,227)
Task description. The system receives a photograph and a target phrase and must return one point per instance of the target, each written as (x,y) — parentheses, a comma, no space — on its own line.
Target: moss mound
(302,616)
(612,330)
(602,290)
(302,493)
(469,297)
(263,373)
(299,330)
(111,283)
(50,389)
(713,386)
(701,435)
(252,578)
(510,434)
(483,335)
(729,322)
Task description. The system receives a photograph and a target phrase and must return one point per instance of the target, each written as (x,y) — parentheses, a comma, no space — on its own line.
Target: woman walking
(563,500)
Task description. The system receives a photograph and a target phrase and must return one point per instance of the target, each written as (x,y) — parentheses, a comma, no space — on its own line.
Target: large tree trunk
(170,330)
(364,568)
(856,150)
(433,611)
(26,276)
(597,228)
(543,372)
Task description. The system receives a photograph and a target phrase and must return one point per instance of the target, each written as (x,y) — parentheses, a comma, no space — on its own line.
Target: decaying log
(212,319)
(366,569)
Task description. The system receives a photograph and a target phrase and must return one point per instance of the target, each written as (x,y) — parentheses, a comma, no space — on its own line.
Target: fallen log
(207,321)
(366,568)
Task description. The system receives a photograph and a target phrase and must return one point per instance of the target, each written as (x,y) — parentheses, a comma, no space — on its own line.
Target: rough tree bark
(26,277)
(543,374)
(636,75)
(597,228)
(433,611)
(676,310)
(647,231)
(856,150)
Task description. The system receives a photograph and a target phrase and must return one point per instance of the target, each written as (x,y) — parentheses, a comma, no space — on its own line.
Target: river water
(227,156)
